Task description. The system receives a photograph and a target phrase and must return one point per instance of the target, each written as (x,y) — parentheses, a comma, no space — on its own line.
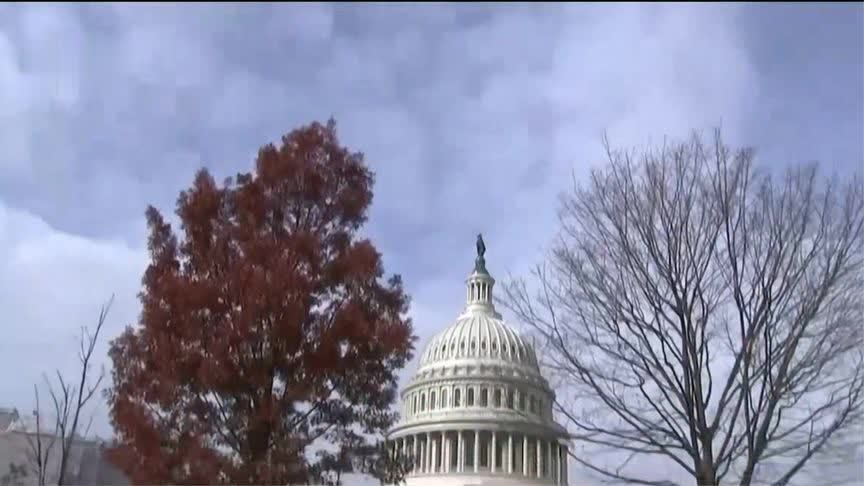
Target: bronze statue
(481,247)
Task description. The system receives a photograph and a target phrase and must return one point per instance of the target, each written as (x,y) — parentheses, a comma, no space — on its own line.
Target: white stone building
(478,411)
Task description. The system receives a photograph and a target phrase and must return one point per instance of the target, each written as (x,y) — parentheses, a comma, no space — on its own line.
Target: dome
(479,334)
(478,409)
(478,337)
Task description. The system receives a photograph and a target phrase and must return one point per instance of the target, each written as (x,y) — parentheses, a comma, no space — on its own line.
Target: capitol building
(478,412)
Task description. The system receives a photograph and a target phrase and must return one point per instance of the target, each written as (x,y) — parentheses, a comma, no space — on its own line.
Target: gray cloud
(474,118)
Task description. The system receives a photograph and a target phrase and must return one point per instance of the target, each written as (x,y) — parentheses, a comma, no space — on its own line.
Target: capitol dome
(478,410)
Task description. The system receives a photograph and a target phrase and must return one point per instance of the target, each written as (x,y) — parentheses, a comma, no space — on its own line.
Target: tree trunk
(706,476)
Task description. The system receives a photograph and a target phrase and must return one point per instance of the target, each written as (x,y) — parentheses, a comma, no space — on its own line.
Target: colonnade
(491,452)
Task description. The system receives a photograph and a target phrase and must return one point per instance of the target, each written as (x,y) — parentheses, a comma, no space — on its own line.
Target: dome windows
(479,395)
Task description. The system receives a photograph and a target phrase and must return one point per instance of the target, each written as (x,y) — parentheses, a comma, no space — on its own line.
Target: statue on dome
(480,262)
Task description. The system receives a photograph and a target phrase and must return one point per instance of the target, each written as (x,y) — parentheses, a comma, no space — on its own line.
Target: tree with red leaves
(266,331)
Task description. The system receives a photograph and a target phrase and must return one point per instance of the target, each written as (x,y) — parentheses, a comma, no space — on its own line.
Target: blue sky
(474,117)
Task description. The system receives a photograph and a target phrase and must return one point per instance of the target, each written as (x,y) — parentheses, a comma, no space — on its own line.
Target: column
(428,452)
(562,453)
(445,453)
(445,448)
(561,479)
(556,475)
(416,456)
(424,447)
(565,468)
(439,451)
(510,453)
(476,450)
(460,451)
(434,462)
(549,459)
(524,455)
(539,458)
(421,465)
(493,457)
(404,448)
(445,459)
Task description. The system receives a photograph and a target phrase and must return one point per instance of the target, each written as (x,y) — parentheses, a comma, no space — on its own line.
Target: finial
(480,262)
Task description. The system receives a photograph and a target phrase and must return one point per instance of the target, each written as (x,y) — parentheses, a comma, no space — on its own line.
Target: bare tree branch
(39,446)
(68,401)
(699,310)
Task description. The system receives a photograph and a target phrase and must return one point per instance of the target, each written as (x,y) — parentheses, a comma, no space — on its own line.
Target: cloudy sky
(473,117)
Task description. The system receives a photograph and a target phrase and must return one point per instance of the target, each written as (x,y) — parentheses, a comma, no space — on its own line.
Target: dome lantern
(479,284)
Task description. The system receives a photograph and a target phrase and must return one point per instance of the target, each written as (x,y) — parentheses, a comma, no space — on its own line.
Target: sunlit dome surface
(479,336)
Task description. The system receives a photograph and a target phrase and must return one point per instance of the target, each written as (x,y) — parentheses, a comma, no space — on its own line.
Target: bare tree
(39,444)
(700,310)
(69,400)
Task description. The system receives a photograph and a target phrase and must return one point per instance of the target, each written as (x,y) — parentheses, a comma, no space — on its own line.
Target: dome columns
(487,452)
(478,293)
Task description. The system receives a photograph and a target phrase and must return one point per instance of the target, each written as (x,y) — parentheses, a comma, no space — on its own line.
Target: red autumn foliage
(268,326)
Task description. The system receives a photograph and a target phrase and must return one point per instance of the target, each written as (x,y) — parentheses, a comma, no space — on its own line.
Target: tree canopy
(267,326)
